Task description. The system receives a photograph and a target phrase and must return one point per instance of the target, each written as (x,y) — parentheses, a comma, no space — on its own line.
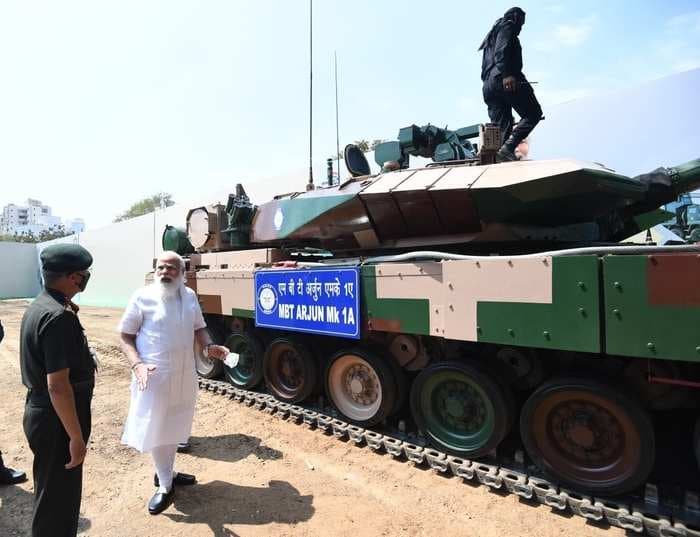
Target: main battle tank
(459,202)
(487,301)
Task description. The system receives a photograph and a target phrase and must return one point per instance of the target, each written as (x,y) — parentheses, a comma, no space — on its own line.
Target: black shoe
(8,476)
(505,155)
(183,447)
(179,479)
(160,501)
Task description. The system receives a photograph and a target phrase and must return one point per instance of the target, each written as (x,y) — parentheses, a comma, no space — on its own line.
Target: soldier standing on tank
(8,476)
(505,86)
(59,373)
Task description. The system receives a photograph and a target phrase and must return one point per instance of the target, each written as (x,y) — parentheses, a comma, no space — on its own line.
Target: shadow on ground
(16,510)
(231,448)
(218,504)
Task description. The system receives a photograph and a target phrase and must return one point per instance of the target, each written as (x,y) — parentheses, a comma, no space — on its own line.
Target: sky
(105,103)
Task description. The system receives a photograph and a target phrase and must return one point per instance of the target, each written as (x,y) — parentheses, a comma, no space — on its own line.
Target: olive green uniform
(52,339)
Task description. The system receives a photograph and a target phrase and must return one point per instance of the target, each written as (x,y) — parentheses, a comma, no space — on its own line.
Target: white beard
(169,290)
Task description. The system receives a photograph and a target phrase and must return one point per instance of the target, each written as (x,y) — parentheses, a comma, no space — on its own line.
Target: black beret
(65,258)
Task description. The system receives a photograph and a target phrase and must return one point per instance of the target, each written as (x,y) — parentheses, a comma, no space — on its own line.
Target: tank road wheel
(588,435)
(290,370)
(207,367)
(249,371)
(461,409)
(361,385)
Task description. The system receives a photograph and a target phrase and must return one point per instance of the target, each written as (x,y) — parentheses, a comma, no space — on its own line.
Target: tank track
(650,514)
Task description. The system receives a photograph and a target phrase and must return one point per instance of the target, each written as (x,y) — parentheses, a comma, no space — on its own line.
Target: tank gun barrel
(686,177)
(664,185)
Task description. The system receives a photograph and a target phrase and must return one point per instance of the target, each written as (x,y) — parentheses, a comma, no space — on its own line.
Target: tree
(366,145)
(362,145)
(43,236)
(146,205)
(375,143)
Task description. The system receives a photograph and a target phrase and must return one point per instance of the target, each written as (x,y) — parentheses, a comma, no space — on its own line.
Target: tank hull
(551,329)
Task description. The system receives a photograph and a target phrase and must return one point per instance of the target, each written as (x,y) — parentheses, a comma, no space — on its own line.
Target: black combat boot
(507,151)
(8,476)
(505,155)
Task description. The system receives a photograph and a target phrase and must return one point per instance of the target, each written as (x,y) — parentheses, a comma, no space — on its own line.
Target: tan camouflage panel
(228,285)
(512,173)
(454,288)
(235,287)
(242,259)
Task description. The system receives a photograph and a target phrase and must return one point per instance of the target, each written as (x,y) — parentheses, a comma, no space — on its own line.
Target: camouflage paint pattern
(439,204)
(631,305)
(224,281)
(535,301)
(652,306)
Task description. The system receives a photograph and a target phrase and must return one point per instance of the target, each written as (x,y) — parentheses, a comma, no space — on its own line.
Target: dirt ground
(258,475)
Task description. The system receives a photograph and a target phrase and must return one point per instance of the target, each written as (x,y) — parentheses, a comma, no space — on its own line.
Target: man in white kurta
(158,329)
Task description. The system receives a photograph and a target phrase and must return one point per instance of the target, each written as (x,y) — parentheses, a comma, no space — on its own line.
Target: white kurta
(162,413)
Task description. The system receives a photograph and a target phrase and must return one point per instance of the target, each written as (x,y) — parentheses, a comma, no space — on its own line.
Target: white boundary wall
(19,270)
(632,131)
(122,255)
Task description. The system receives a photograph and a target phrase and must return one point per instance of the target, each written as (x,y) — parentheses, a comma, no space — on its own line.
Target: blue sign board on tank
(316,300)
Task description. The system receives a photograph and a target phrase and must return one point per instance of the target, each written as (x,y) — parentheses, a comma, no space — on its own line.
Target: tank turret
(459,202)
(522,205)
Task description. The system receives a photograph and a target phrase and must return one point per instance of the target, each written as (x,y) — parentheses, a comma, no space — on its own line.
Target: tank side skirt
(647,315)
(537,302)
(507,301)
(570,322)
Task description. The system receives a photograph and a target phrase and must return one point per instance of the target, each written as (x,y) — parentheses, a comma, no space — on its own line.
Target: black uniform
(8,476)
(52,339)
(503,57)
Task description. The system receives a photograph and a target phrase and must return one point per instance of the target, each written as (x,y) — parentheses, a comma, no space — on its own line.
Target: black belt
(41,395)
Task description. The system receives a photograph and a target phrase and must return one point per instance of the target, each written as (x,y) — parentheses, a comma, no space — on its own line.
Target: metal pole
(311,88)
(337,131)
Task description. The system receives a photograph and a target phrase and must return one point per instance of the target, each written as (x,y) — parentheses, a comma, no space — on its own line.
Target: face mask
(83,283)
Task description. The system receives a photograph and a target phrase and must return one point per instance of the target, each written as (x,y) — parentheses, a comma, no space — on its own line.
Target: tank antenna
(310,185)
(337,130)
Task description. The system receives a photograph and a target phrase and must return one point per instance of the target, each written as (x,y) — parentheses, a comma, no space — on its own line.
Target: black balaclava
(514,15)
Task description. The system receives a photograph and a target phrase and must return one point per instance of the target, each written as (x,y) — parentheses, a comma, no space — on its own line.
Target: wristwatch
(205,349)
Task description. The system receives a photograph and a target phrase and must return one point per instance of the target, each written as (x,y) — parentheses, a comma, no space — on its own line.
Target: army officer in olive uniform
(59,373)
(8,476)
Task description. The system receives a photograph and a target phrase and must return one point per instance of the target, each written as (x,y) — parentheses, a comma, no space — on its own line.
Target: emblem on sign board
(267,298)
(279,218)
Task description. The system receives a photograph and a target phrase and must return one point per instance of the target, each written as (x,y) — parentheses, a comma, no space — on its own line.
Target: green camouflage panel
(535,301)
(652,305)
(279,218)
